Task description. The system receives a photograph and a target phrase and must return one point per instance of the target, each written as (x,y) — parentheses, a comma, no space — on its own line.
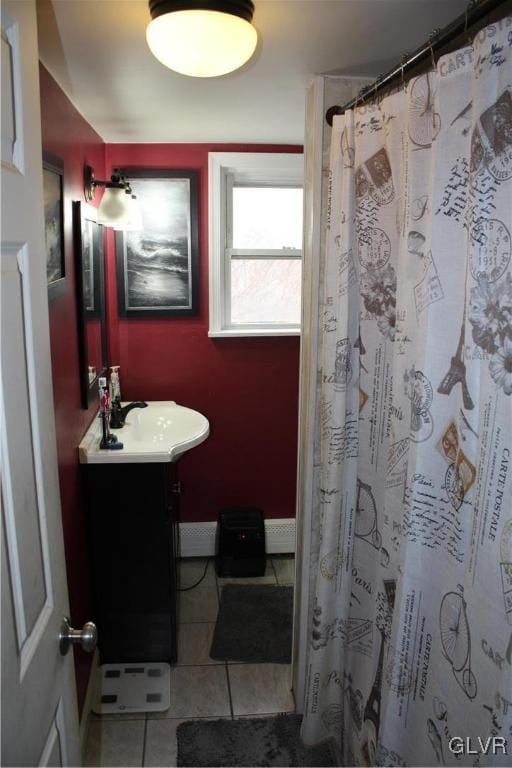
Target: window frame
(227,169)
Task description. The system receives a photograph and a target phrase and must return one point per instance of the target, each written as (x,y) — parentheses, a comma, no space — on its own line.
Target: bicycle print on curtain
(411,577)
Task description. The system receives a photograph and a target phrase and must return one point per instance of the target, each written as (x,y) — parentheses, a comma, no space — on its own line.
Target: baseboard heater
(198,539)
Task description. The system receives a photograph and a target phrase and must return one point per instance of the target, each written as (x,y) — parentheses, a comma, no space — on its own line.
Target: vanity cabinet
(132,512)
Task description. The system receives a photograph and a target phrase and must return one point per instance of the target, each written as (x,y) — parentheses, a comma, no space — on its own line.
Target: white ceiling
(97,52)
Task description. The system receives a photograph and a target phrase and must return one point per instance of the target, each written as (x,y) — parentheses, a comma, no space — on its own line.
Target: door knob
(87,636)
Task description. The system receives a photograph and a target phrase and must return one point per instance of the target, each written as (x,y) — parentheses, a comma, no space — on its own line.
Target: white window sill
(233,333)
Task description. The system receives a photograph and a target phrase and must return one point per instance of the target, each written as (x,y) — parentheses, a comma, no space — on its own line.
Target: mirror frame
(81,213)
(55,165)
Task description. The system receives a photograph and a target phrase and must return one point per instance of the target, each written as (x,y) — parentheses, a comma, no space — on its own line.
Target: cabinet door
(173,507)
(132,559)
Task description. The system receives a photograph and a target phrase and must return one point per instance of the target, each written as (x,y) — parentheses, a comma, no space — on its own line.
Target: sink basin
(159,433)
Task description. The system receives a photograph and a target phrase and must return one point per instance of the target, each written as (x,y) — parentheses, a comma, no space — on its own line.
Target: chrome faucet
(118,414)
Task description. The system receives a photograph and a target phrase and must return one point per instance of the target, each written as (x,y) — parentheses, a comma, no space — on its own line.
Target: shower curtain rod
(475,12)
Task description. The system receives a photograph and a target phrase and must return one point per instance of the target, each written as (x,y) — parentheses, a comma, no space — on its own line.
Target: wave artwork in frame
(157,266)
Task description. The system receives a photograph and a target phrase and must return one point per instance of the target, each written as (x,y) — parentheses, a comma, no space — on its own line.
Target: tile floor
(200,686)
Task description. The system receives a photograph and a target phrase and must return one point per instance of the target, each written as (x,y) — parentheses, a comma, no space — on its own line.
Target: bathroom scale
(124,688)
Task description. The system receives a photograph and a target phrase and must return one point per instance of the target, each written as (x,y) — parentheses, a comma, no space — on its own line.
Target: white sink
(159,433)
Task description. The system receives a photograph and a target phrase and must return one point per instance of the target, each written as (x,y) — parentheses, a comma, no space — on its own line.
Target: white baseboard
(89,697)
(198,539)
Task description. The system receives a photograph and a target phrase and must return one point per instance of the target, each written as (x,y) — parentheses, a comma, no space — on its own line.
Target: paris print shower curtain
(410,644)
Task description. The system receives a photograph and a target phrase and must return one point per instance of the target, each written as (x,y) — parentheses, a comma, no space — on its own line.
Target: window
(255,243)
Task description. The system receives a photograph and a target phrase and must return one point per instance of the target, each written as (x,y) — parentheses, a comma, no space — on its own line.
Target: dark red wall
(66,134)
(246,387)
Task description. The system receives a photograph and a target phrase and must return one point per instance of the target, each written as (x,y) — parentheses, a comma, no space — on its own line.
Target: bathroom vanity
(133,511)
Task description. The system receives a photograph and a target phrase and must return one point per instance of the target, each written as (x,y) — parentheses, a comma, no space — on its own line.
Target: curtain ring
(469,7)
(377,84)
(431,40)
(361,93)
(375,88)
(405,57)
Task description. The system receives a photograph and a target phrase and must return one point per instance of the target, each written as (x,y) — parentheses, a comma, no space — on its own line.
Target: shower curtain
(410,644)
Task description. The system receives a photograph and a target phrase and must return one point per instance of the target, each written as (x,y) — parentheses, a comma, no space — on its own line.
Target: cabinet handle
(176,487)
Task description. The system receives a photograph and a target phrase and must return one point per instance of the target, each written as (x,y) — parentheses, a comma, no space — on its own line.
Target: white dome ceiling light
(202,38)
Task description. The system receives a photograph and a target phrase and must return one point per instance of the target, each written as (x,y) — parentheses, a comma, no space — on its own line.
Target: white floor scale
(124,688)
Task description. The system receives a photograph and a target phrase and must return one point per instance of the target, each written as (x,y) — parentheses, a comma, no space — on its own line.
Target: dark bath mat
(265,741)
(254,624)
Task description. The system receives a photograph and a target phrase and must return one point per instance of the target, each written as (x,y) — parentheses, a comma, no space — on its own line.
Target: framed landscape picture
(157,266)
(53,176)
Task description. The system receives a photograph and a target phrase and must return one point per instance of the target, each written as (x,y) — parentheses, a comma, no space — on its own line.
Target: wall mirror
(88,237)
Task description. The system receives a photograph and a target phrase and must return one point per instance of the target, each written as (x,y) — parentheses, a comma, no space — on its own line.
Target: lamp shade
(135,222)
(202,42)
(114,209)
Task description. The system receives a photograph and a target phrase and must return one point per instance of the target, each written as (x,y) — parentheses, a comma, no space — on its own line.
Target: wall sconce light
(118,207)
(135,214)
(202,38)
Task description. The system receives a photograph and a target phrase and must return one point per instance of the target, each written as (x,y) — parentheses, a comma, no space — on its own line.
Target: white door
(39,709)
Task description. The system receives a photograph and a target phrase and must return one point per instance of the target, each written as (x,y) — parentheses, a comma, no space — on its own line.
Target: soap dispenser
(104,411)
(115,387)
(108,440)
(115,395)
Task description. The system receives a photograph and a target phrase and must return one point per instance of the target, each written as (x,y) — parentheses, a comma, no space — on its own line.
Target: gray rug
(254,624)
(272,741)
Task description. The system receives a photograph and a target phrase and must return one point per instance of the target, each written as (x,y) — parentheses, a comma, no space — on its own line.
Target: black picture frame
(53,195)
(158,266)
(88,242)
(92,266)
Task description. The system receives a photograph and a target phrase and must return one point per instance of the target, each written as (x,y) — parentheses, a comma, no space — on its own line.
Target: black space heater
(241,542)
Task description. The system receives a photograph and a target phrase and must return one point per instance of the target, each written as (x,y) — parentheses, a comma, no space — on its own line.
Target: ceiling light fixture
(202,38)
(116,208)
